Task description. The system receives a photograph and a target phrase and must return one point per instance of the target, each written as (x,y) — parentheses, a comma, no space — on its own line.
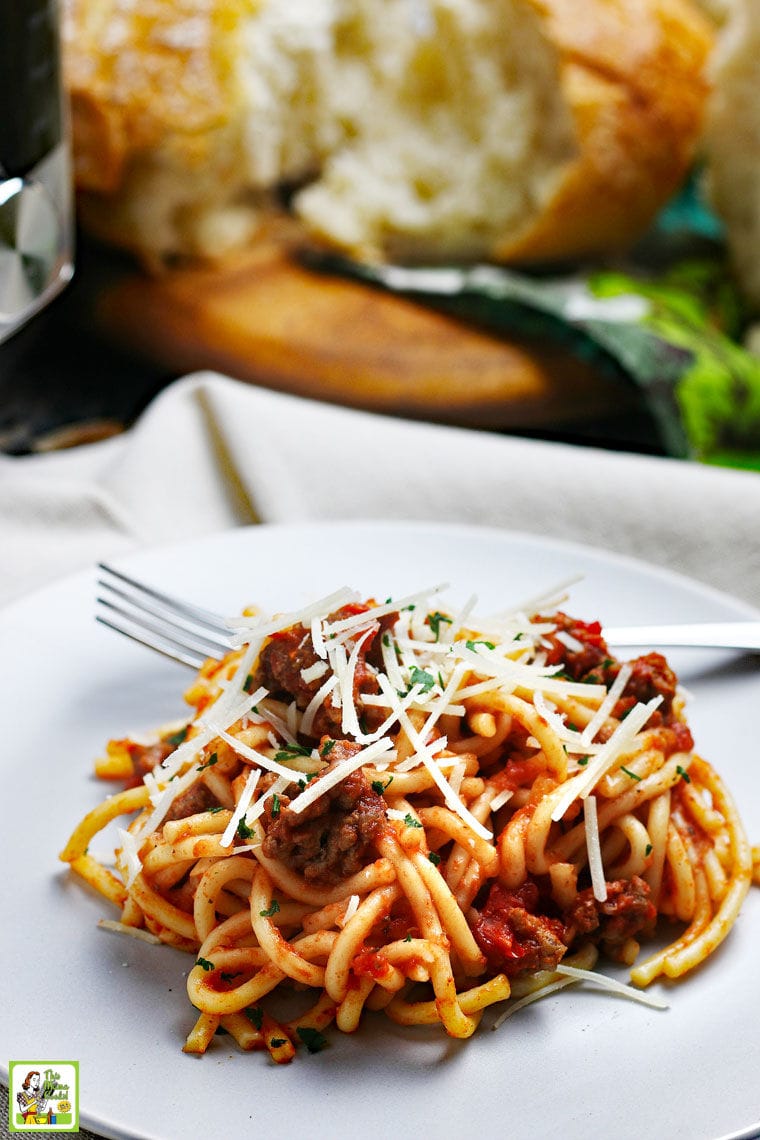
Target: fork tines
(186,633)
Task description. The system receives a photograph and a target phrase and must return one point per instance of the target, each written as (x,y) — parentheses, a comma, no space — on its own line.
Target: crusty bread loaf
(415,130)
(733,141)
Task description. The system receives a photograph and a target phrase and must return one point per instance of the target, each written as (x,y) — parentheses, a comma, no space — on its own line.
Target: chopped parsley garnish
(256,1016)
(379,787)
(420,677)
(648,849)
(471,644)
(275,1042)
(583,761)
(683,773)
(434,858)
(273,908)
(410,821)
(275,805)
(229,977)
(177,738)
(434,621)
(243,830)
(629,773)
(290,751)
(312,1038)
(408,938)
(214,810)
(209,763)
(326,748)
(204,963)
(248,684)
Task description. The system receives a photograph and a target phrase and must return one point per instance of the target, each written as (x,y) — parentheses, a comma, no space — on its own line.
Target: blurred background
(637,177)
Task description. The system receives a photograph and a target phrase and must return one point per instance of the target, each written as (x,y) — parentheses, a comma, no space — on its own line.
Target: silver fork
(190,634)
(186,633)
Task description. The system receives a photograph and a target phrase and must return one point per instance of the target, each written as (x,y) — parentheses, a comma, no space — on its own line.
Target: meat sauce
(515,937)
(291,651)
(592,663)
(332,837)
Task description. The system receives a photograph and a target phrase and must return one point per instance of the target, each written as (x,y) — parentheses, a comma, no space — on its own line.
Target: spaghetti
(395,808)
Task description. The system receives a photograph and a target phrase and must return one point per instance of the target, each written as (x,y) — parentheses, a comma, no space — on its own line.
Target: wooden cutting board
(264,317)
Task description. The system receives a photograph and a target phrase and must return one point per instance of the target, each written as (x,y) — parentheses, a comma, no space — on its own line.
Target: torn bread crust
(412,130)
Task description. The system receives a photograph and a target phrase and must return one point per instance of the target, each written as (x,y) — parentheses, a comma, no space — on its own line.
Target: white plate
(577,1065)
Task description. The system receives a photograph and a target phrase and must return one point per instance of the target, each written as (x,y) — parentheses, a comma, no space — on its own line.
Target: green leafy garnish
(326,748)
(434,858)
(683,773)
(312,1038)
(275,805)
(379,787)
(290,751)
(275,1042)
(243,830)
(209,763)
(410,821)
(420,677)
(273,908)
(471,644)
(204,963)
(177,738)
(435,620)
(255,1015)
(629,773)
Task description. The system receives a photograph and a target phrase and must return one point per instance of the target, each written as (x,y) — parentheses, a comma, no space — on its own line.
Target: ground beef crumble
(333,836)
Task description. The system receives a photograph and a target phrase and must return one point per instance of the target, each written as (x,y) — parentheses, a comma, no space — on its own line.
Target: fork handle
(702,635)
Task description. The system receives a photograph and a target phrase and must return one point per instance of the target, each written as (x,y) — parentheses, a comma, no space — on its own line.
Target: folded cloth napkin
(211,453)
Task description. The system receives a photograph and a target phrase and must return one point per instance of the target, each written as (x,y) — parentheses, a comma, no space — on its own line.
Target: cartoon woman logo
(32,1100)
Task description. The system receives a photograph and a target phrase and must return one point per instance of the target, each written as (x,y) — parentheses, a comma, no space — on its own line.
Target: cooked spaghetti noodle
(402,809)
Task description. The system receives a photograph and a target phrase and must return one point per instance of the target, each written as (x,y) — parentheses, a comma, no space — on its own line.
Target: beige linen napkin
(211,453)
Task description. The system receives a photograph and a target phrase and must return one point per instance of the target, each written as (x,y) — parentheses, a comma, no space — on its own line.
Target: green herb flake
(434,858)
(275,805)
(243,830)
(256,1016)
(629,773)
(204,963)
(272,909)
(435,620)
(326,748)
(248,683)
(312,1038)
(408,938)
(177,738)
(276,1042)
(583,761)
(683,774)
(420,677)
(209,763)
(379,787)
(471,644)
(290,751)
(214,810)
(648,849)
(410,821)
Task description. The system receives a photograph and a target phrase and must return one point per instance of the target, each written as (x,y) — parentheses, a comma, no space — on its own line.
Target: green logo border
(49,1128)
